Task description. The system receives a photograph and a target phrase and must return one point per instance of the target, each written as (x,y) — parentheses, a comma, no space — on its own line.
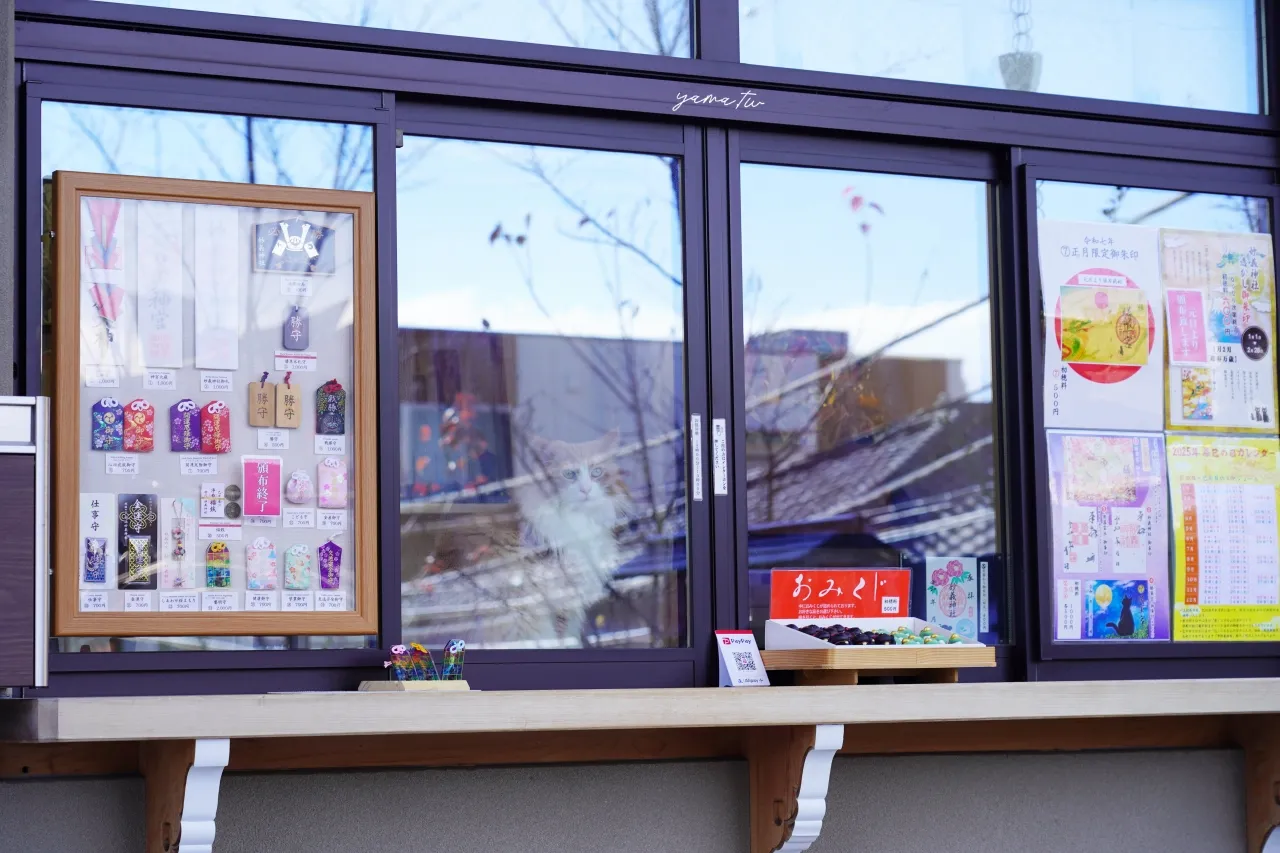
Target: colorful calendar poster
(1110,535)
(1225,494)
(1219,296)
(1104,339)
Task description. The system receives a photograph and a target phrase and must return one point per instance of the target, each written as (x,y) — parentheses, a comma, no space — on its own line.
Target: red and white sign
(839,593)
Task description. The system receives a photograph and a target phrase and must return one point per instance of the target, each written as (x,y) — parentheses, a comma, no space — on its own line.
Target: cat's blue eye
(597,473)
(570,474)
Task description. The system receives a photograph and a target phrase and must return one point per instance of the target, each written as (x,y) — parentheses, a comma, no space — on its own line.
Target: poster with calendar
(1225,494)
(1104,338)
(1219,296)
(1110,536)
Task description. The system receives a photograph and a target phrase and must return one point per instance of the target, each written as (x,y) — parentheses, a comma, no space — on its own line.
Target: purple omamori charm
(330,557)
(184,427)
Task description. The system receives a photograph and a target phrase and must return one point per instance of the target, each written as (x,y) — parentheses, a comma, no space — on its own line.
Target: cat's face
(579,472)
(1126,602)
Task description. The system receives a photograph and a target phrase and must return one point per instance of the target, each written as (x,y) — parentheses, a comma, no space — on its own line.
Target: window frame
(484,124)
(1111,171)
(89,52)
(969,163)
(714,41)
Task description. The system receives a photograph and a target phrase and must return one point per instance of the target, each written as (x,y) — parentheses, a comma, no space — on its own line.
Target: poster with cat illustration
(1118,610)
(1110,539)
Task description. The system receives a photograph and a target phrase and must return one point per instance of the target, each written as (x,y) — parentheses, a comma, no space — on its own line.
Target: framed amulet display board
(214,409)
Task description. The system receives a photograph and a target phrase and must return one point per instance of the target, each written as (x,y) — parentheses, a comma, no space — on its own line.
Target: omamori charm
(139,427)
(297,329)
(329,556)
(331,409)
(297,567)
(184,427)
(217,565)
(107,425)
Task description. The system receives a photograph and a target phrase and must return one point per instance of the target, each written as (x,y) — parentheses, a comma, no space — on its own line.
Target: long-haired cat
(571,515)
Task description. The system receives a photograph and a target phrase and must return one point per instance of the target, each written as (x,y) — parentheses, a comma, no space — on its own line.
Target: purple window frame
(130,56)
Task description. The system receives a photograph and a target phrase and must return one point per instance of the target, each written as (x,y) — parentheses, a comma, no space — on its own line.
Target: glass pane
(172,144)
(542,396)
(1161,408)
(867,312)
(1179,53)
(659,27)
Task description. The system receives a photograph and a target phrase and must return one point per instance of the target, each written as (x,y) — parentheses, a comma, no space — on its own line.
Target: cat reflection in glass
(571,515)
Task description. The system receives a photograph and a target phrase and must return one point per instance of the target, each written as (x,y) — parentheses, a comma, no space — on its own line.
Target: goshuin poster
(953,594)
(1219,293)
(1110,535)
(1103,356)
(1226,499)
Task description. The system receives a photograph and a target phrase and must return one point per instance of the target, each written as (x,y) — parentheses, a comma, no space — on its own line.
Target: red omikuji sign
(839,593)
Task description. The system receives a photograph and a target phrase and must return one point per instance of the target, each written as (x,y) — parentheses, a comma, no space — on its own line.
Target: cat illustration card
(1118,610)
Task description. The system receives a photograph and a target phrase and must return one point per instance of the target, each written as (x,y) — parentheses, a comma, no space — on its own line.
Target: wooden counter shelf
(788,735)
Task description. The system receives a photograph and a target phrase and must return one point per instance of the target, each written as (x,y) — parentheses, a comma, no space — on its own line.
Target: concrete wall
(1151,802)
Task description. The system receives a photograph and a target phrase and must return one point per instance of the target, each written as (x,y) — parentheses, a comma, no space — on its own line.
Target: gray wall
(1150,802)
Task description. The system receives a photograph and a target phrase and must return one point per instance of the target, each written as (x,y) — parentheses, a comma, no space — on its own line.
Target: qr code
(745,661)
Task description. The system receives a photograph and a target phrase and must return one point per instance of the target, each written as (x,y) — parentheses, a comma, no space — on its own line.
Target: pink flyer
(262,485)
(1188,334)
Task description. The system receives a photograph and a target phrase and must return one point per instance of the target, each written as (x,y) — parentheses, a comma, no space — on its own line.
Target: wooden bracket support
(182,779)
(790,768)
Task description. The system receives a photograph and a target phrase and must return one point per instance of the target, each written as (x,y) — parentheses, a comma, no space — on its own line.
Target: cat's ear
(609,440)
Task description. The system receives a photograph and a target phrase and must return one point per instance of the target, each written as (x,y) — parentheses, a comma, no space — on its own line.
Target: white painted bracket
(183,780)
(200,801)
(811,798)
(790,770)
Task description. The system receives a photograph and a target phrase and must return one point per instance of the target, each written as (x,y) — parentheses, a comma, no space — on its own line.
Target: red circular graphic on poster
(1126,328)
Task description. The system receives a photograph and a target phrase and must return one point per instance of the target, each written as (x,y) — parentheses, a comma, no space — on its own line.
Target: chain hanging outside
(1021,11)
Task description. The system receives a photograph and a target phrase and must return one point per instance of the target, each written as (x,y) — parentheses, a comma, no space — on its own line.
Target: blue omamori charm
(107,425)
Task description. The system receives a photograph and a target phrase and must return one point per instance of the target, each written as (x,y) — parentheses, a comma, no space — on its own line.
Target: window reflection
(201,146)
(868,373)
(542,400)
(1157,208)
(1179,53)
(659,27)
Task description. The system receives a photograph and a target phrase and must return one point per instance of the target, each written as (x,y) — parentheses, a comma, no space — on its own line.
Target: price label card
(298,362)
(297,519)
(138,602)
(296,287)
(332,519)
(331,445)
(198,465)
(179,602)
(297,601)
(100,377)
(273,439)
(209,532)
(261,600)
(261,521)
(160,380)
(219,602)
(123,464)
(214,380)
(334,599)
(93,602)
